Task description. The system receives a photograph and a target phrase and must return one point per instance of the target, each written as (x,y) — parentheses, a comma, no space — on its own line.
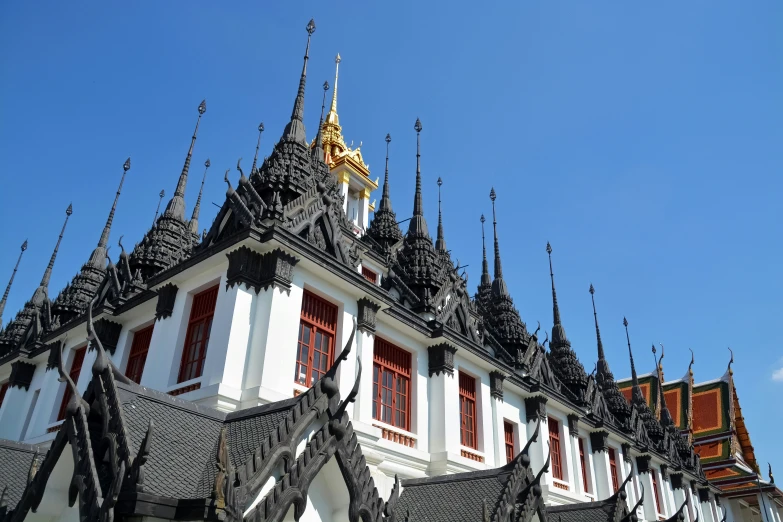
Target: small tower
(384,230)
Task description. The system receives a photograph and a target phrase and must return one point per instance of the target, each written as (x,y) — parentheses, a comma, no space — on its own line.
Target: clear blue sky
(643,140)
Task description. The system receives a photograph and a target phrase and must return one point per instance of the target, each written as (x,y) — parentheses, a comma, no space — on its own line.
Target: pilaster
(168,338)
(603,475)
(365,346)
(167,297)
(444,401)
(645,479)
(535,413)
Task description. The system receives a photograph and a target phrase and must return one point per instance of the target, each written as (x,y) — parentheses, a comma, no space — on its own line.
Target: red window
(554,449)
(656,495)
(467,411)
(138,354)
(583,462)
(508,435)
(369,275)
(76,369)
(199,327)
(613,468)
(316,339)
(391,380)
(3,389)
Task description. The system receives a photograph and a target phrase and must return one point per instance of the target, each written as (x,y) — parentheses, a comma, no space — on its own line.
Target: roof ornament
(634,377)
(601,356)
(729,369)
(258,145)
(333,109)
(771,476)
(499,287)
(197,208)
(11,282)
(666,416)
(318,149)
(690,366)
(157,210)
(485,279)
(386,199)
(555,308)
(440,242)
(295,130)
(176,207)
(104,241)
(48,273)
(418,226)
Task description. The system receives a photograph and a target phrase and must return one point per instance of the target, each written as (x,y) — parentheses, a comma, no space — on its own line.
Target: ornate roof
(384,230)
(76,296)
(565,364)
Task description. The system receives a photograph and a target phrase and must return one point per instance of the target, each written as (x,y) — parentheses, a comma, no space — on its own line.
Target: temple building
(305,358)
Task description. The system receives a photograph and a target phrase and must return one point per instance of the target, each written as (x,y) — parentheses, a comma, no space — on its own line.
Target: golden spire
(332,116)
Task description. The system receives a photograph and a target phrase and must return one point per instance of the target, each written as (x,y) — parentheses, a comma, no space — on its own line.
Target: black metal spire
(258,145)
(318,146)
(601,356)
(637,391)
(666,416)
(386,203)
(48,272)
(197,208)
(440,242)
(295,129)
(98,257)
(485,279)
(383,228)
(418,225)
(11,282)
(157,210)
(654,429)
(176,207)
(498,285)
(558,333)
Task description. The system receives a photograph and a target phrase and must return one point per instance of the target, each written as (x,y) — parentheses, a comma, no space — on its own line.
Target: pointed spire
(332,116)
(418,225)
(318,148)
(11,282)
(104,241)
(637,390)
(666,416)
(485,279)
(295,130)
(157,210)
(555,308)
(176,207)
(197,208)
(601,356)
(498,285)
(258,145)
(385,198)
(440,242)
(48,273)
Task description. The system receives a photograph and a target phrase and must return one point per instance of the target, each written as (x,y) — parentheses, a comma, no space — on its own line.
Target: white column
(15,408)
(538,450)
(570,473)
(346,372)
(486,422)
(168,338)
(649,496)
(362,410)
(734,510)
(706,510)
(343,178)
(271,360)
(364,208)
(602,473)
(498,432)
(679,498)
(765,507)
(444,414)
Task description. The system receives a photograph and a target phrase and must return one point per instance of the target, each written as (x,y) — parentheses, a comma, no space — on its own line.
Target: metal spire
(555,308)
(295,130)
(48,273)
(666,416)
(498,285)
(332,116)
(385,198)
(104,241)
(418,225)
(157,210)
(318,149)
(601,356)
(11,282)
(485,279)
(440,242)
(197,208)
(258,144)
(637,390)
(176,207)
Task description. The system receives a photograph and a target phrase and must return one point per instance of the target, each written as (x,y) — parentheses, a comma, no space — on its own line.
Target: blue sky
(642,140)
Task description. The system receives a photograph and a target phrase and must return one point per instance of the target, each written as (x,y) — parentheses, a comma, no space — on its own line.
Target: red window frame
(391,381)
(74,372)
(583,462)
(613,468)
(656,494)
(467,411)
(194,353)
(315,344)
(370,275)
(554,448)
(3,390)
(138,353)
(508,437)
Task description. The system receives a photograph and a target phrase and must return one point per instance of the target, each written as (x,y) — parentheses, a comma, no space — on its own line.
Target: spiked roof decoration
(565,364)
(440,242)
(383,229)
(10,283)
(615,400)
(76,296)
(638,401)
(295,129)
(197,208)
(258,145)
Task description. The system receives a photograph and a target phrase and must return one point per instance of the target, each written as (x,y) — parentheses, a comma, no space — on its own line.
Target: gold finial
(332,116)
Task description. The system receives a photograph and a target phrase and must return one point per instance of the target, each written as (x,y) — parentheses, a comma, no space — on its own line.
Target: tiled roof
(583,512)
(15,460)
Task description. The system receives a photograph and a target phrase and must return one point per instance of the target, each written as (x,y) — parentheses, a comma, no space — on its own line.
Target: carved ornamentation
(244,267)
(109,333)
(535,408)
(643,463)
(626,452)
(367,315)
(664,472)
(277,269)
(167,294)
(441,359)
(54,355)
(599,441)
(496,384)
(704,494)
(21,375)
(573,424)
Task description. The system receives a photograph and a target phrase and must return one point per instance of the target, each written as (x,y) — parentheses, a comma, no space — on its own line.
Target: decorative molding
(717,500)
(21,374)
(626,452)
(664,472)
(244,266)
(167,294)
(676,480)
(704,494)
(693,487)
(643,463)
(368,311)
(535,408)
(109,334)
(54,355)
(496,379)
(599,441)
(441,359)
(573,424)
(277,269)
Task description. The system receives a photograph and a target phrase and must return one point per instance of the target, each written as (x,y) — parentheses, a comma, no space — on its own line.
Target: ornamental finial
(318,151)
(440,242)
(157,210)
(48,272)
(601,356)
(197,208)
(104,240)
(258,144)
(485,279)
(498,285)
(126,166)
(418,225)
(690,366)
(295,130)
(386,198)
(11,282)
(771,476)
(555,308)
(731,361)
(176,207)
